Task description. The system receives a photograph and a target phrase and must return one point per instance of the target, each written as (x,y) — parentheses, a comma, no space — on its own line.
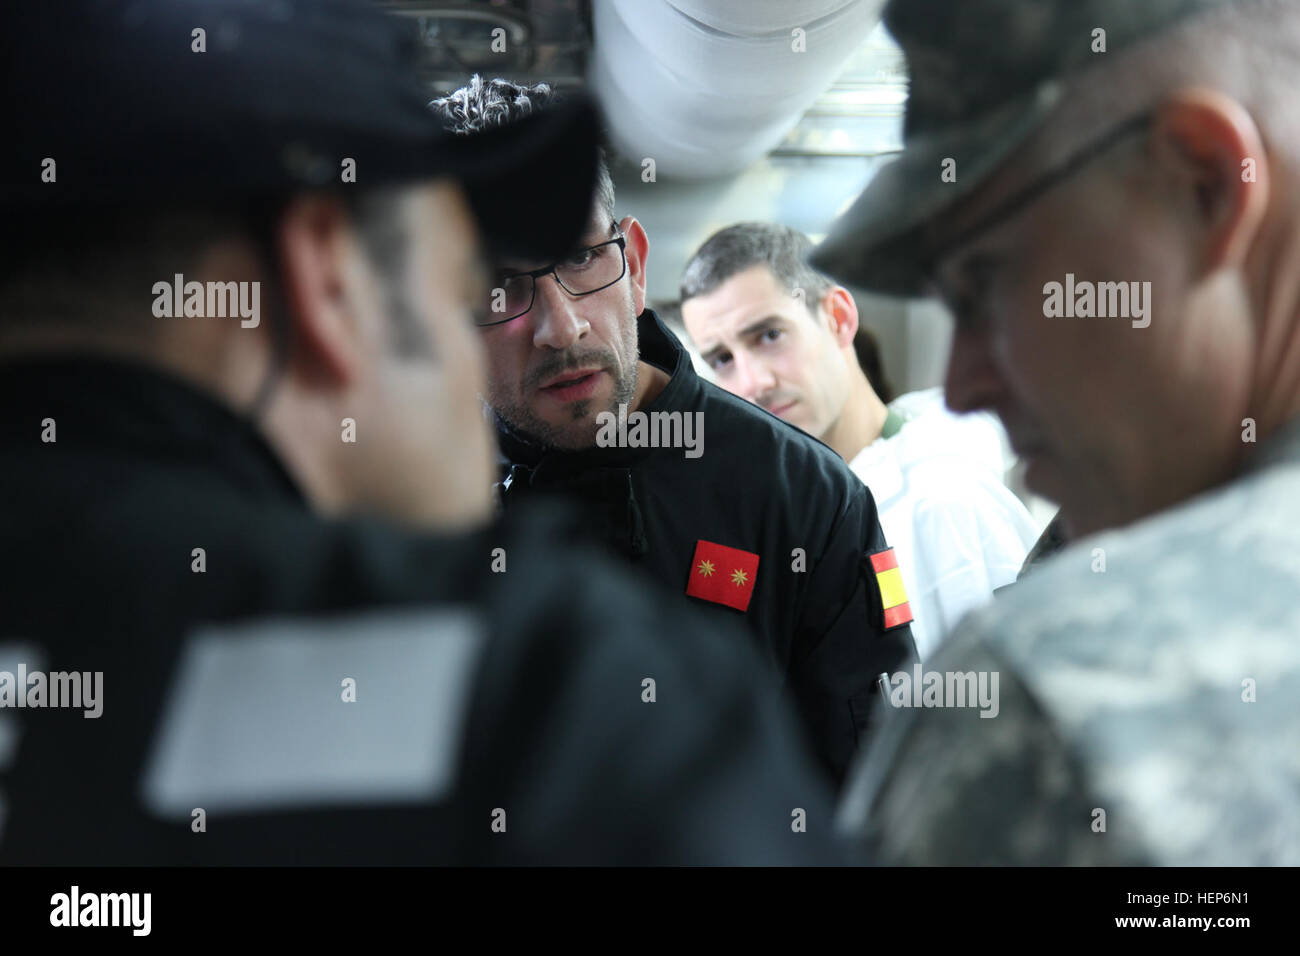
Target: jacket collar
(120,406)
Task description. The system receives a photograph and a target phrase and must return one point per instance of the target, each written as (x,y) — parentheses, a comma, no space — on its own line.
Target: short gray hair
(784,251)
(487,104)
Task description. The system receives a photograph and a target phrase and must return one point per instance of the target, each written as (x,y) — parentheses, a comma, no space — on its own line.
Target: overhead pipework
(706,87)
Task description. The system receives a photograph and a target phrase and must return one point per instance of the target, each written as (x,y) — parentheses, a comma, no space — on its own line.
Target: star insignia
(721,574)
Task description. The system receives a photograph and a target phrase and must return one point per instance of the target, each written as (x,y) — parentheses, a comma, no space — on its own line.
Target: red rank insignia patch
(723,575)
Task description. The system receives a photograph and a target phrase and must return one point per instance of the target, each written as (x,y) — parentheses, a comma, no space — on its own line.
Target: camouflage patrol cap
(985,74)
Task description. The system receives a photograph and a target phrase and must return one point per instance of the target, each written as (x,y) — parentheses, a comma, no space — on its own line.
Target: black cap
(152,100)
(985,75)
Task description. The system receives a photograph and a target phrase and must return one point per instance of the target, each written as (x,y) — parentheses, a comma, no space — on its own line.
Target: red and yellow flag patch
(893,596)
(722,575)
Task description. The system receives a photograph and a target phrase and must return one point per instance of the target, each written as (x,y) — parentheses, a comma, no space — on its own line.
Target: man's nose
(557,323)
(752,378)
(972,381)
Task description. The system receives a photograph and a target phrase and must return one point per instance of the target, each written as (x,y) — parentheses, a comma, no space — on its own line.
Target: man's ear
(1214,143)
(315,243)
(841,312)
(638,247)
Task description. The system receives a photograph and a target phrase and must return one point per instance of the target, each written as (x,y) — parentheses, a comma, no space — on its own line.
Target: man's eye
(718,361)
(771,335)
(580,259)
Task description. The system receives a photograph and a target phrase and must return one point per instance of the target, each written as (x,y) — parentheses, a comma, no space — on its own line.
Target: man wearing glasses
(766,524)
(1150,671)
(303,654)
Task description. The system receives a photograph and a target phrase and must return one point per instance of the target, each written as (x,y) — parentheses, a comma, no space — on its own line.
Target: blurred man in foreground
(1144,156)
(597,402)
(781,335)
(207,348)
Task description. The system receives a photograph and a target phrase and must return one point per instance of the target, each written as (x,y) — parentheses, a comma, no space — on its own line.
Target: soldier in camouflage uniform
(1148,703)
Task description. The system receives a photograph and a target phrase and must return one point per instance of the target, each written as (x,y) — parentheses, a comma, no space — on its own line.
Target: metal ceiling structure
(551,41)
(541,40)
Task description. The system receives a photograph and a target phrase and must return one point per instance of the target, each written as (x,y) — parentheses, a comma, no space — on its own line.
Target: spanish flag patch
(893,596)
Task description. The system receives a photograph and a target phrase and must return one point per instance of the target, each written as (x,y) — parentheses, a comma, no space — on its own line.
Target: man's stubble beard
(520,418)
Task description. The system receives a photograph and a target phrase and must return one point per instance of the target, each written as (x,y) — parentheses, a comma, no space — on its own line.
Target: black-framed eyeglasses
(585,271)
(1020,201)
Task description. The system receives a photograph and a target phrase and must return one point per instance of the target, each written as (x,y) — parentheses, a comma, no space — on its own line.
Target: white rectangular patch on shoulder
(313,712)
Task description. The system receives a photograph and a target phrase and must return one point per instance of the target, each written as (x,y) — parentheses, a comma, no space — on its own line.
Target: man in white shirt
(779,334)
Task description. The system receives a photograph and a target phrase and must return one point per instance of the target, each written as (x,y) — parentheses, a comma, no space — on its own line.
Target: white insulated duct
(705,87)
(754,18)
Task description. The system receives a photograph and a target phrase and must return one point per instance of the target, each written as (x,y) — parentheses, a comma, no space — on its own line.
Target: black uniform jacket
(282,688)
(761,486)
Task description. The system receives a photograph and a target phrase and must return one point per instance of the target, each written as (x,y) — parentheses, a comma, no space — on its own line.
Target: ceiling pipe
(706,87)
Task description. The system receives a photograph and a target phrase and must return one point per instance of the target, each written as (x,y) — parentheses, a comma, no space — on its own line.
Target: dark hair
(781,249)
(70,263)
(867,348)
(79,265)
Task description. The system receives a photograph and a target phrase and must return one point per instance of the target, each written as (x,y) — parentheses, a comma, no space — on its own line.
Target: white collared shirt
(957,530)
